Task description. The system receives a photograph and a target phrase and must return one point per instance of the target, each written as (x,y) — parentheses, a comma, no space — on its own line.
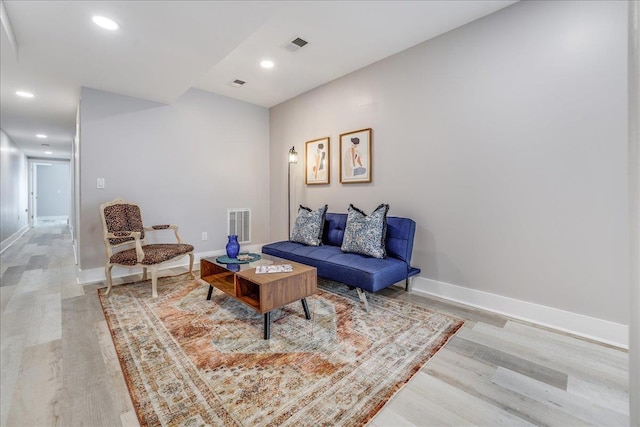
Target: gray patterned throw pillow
(308,226)
(364,234)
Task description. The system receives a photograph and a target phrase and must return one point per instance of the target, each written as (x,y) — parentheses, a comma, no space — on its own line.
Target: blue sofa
(359,271)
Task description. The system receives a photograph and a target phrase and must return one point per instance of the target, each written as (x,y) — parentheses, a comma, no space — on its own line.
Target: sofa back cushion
(400,234)
(334,226)
(399,241)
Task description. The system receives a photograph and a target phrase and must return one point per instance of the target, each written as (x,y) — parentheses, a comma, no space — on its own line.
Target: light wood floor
(59,366)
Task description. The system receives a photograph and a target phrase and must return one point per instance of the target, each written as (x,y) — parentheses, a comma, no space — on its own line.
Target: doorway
(50,192)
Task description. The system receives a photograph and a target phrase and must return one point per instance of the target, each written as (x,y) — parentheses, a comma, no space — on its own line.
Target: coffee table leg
(306,308)
(210,291)
(267,325)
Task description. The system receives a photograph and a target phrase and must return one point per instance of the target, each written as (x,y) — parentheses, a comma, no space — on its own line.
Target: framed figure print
(355,156)
(316,161)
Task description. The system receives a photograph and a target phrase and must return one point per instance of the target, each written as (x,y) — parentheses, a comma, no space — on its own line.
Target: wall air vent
(237,83)
(295,44)
(239,223)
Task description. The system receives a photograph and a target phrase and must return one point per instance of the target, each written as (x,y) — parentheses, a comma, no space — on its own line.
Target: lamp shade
(293,156)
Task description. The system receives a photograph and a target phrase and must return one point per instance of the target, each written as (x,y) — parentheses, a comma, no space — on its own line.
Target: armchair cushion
(123,217)
(153,254)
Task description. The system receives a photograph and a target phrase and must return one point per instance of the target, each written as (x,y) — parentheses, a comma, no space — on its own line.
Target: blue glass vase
(233,247)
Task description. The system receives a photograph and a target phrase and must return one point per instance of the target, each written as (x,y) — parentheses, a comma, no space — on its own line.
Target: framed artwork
(355,156)
(316,161)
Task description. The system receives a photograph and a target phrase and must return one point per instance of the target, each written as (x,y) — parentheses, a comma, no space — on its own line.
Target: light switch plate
(100,183)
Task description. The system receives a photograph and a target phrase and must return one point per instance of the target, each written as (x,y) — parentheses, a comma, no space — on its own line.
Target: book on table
(278,268)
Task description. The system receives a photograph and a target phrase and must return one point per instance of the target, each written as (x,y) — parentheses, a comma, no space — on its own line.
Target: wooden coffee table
(262,292)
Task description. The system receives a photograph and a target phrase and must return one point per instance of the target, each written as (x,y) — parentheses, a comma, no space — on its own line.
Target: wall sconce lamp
(293,158)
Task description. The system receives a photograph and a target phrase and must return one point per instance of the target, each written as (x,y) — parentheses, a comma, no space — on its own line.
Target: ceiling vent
(296,44)
(237,83)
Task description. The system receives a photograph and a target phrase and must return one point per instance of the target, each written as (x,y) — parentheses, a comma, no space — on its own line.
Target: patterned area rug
(192,362)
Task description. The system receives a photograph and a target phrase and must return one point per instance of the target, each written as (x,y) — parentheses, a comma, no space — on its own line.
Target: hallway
(55,373)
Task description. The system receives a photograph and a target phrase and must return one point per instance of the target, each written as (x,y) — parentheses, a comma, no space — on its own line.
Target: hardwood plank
(40,379)
(470,375)
(389,417)
(88,395)
(46,319)
(608,397)
(122,399)
(11,350)
(455,309)
(71,290)
(12,275)
(129,419)
(415,405)
(6,292)
(599,365)
(570,343)
(14,323)
(506,360)
(466,406)
(588,412)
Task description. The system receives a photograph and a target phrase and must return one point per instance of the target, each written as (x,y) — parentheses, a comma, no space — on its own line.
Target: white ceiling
(163,48)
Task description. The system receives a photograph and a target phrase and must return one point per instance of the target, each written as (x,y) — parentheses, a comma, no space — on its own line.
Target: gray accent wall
(14,186)
(183,163)
(505,140)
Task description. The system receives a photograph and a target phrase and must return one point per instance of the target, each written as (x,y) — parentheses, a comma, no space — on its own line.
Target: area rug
(188,361)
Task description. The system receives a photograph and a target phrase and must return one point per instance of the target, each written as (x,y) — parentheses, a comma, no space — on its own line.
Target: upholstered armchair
(124,230)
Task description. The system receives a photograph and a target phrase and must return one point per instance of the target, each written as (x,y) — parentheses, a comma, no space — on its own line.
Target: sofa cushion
(308,226)
(370,274)
(366,235)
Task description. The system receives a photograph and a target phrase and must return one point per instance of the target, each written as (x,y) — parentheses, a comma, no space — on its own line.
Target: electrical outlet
(204,235)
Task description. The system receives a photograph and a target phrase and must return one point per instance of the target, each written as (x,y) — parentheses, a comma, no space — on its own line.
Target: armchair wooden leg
(154,281)
(107,274)
(191,265)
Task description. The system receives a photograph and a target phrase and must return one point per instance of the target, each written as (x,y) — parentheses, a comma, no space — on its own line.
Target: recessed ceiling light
(48,152)
(267,64)
(105,23)
(24,94)
(41,135)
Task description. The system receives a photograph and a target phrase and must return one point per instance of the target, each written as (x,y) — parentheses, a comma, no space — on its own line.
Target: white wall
(13,189)
(634,211)
(505,140)
(183,163)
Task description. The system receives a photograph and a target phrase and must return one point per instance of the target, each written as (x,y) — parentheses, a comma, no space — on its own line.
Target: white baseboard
(600,330)
(74,243)
(13,238)
(53,218)
(92,275)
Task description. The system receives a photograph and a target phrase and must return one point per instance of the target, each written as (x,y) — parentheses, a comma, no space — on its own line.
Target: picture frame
(317,161)
(356,156)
